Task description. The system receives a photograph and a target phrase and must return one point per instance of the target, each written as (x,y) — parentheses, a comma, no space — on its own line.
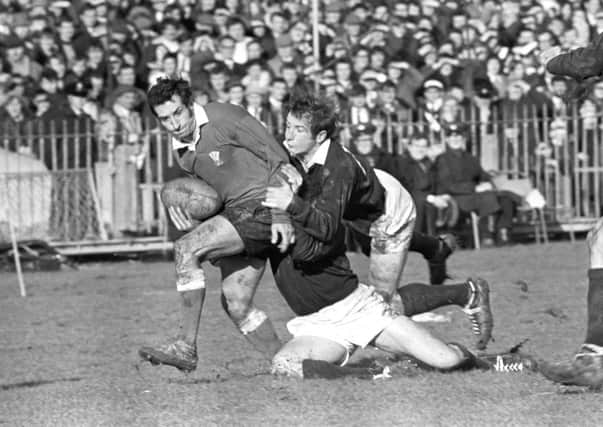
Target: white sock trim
(192,281)
(252,321)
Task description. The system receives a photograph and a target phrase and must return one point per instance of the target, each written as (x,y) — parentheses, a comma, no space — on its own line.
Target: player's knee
(287,364)
(189,246)
(236,306)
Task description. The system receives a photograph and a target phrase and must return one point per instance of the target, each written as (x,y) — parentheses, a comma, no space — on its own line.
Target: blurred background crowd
(377,56)
(383,62)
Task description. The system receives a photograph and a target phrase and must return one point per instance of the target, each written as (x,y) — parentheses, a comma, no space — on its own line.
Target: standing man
(586,368)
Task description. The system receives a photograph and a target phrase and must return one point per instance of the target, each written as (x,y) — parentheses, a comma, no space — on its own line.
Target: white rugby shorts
(391,233)
(354,321)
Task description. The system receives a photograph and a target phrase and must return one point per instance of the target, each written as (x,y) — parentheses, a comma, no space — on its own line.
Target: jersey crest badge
(215,156)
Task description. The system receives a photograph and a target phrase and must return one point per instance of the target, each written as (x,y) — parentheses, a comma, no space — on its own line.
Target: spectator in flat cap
(285,53)
(18,61)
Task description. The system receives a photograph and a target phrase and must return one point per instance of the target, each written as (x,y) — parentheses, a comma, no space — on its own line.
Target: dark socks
(594,328)
(426,245)
(419,298)
(325,370)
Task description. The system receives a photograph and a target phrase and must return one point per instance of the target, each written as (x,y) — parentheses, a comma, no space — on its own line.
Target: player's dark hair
(166,88)
(318,111)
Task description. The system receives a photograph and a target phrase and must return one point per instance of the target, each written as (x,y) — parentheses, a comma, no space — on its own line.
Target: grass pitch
(68,353)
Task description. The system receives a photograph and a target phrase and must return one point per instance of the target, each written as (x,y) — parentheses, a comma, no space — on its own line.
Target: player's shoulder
(220,111)
(345,159)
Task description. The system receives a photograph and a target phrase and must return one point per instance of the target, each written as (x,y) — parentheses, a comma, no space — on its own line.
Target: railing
(74,181)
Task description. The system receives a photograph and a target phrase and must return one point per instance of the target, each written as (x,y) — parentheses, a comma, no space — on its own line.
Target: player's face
(176,117)
(298,137)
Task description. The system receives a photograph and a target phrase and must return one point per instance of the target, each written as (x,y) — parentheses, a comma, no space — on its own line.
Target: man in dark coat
(415,170)
(460,175)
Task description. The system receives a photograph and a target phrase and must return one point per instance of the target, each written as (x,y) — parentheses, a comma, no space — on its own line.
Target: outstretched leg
(473,296)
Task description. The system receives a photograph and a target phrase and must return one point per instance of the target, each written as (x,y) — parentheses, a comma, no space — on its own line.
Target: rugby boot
(585,369)
(437,264)
(479,311)
(178,354)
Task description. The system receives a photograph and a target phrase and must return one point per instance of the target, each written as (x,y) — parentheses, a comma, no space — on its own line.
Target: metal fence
(72,181)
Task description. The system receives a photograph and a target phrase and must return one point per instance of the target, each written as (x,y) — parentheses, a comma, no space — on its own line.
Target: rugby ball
(193,195)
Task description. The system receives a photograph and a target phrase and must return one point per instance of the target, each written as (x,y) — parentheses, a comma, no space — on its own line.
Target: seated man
(460,175)
(416,171)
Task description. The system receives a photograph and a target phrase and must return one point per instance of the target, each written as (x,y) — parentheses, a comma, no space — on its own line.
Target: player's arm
(321,216)
(254,137)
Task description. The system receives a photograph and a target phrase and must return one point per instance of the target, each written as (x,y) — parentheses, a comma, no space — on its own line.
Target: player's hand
(283,235)
(294,178)
(278,197)
(595,245)
(180,218)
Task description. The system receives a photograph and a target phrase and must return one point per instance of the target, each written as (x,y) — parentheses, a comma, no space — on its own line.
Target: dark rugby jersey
(317,273)
(348,190)
(236,155)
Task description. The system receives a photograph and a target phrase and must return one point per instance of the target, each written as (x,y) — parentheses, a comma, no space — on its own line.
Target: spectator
(415,170)
(236,31)
(460,175)
(236,93)
(357,112)
(18,62)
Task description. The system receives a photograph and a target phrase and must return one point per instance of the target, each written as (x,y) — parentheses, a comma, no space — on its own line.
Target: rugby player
(371,201)
(585,65)
(338,314)
(234,153)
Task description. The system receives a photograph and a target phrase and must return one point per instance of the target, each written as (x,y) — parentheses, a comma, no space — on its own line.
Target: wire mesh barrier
(85,181)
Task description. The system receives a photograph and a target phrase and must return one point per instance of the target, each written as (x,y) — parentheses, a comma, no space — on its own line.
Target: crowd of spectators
(381,61)
(379,57)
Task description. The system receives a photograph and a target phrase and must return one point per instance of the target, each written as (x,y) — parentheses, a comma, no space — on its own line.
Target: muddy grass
(68,353)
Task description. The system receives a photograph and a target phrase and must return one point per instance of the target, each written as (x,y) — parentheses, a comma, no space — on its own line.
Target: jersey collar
(320,155)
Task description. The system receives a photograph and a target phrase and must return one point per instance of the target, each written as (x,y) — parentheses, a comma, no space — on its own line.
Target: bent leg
(240,279)
(211,239)
(388,256)
(405,336)
(288,361)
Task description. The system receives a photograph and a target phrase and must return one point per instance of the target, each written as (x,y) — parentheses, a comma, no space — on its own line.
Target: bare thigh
(315,348)
(212,239)
(405,336)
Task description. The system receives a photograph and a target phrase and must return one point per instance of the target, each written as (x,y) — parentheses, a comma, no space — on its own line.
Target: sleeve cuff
(595,273)
(297,205)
